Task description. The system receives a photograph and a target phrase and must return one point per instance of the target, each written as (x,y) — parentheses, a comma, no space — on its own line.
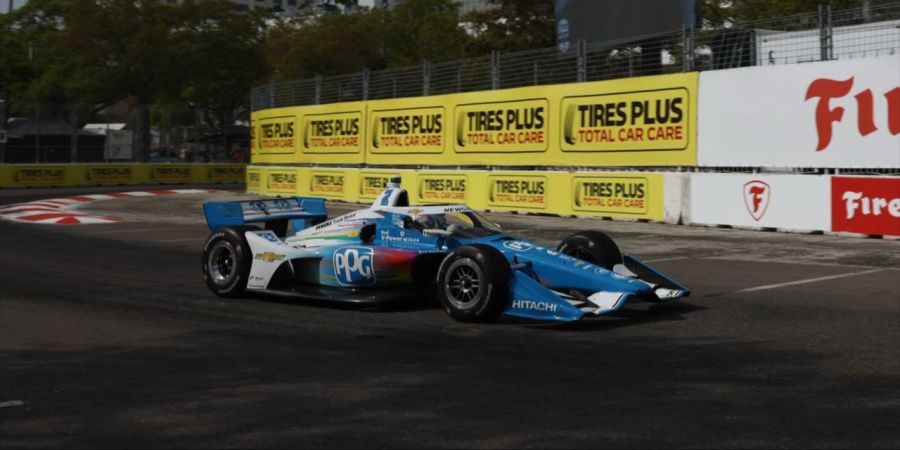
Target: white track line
(807,281)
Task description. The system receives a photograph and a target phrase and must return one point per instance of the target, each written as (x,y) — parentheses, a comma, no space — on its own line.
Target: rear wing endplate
(310,211)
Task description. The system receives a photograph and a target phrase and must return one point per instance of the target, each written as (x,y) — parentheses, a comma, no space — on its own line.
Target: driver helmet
(427,221)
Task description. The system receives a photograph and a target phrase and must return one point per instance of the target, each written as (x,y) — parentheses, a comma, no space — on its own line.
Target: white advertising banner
(793,202)
(837,114)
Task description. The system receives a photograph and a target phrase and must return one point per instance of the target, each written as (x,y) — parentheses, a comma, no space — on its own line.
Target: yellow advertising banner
(646,121)
(170,173)
(333,134)
(372,183)
(5,175)
(282,181)
(514,126)
(408,130)
(42,175)
(255,178)
(225,173)
(442,187)
(274,135)
(37,175)
(626,195)
(328,183)
(111,174)
(524,191)
(630,121)
(632,195)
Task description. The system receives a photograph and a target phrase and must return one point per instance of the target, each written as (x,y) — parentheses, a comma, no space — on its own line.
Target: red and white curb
(62,211)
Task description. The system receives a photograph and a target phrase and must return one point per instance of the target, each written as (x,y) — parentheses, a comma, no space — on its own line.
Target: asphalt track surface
(109,338)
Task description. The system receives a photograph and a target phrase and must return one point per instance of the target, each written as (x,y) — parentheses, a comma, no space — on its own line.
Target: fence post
(73,137)
(825,32)
(272,93)
(687,48)
(4,103)
(317,97)
(495,69)
(426,77)
(535,72)
(581,61)
(459,78)
(37,140)
(365,83)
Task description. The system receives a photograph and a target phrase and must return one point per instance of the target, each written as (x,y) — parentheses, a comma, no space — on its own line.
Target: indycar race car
(393,251)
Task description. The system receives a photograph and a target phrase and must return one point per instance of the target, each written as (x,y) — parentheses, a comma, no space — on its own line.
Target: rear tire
(592,246)
(473,283)
(226,261)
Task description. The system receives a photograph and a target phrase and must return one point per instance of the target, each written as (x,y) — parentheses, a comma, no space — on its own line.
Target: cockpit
(457,224)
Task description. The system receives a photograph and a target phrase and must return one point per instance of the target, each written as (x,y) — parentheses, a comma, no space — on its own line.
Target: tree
(326,44)
(222,56)
(419,30)
(332,44)
(514,25)
(30,69)
(202,55)
(122,50)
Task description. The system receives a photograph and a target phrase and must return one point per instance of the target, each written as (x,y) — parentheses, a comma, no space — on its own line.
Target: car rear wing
(275,213)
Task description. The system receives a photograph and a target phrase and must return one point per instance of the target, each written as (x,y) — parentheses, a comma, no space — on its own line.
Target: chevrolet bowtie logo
(269,257)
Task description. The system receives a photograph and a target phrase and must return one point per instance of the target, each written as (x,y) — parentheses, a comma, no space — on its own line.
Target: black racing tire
(226,261)
(592,246)
(473,283)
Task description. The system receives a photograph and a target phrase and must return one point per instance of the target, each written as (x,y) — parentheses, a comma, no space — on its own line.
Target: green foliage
(514,25)
(331,44)
(221,53)
(202,56)
(328,44)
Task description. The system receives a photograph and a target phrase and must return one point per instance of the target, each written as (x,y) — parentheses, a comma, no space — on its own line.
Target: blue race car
(393,251)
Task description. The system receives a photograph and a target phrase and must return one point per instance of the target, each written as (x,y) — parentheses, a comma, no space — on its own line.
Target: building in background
(465,6)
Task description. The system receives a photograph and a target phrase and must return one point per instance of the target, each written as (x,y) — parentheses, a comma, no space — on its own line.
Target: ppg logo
(353,266)
(518,246)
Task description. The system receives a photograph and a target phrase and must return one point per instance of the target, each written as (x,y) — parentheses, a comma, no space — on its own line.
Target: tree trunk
(142,131)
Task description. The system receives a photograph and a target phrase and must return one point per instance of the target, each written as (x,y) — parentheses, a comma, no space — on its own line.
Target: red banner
(868,205)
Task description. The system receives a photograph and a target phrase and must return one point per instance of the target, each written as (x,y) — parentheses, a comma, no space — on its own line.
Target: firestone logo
(859,202)
(869,205)
(756,198)
(826,89)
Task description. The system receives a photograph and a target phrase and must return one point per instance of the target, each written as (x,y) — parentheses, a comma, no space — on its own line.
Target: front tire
(592,246)
(473,283)
(226,261)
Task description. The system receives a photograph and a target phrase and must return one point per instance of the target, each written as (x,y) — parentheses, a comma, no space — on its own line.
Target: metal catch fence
(822,36)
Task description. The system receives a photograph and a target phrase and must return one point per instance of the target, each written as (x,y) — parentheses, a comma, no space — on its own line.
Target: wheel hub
(222,262)
(464,283)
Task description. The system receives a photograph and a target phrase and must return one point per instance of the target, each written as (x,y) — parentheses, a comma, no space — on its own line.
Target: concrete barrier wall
(623,195)
(802,203)
(48,175)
